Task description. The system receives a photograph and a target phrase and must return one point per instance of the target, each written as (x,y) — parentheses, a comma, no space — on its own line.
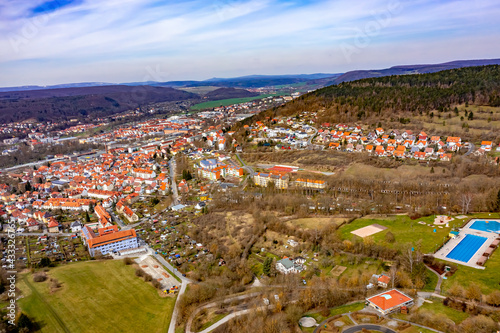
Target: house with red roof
(53,225)
(383,281)
(389,301)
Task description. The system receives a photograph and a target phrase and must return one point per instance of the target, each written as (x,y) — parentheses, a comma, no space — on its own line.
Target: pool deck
(452,243)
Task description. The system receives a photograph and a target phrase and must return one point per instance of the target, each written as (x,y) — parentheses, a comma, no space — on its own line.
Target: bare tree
(465,201)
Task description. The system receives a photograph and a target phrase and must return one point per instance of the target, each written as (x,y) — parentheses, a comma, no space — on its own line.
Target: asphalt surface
(378,328)
(246,167)
(472,147)
(62,234)
(309,142)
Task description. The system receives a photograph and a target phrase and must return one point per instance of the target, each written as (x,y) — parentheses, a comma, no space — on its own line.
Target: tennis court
(466,248)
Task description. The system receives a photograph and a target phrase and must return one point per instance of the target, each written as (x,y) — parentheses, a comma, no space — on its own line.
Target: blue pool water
(489,226)
(466,248)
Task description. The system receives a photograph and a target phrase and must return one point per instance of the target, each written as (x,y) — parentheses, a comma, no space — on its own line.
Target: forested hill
(400,95)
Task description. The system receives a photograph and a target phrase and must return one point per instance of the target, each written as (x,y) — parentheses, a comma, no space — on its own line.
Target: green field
(338,310)
(96,296)
(226,102)
(488,279)
(438,307)
(404,229)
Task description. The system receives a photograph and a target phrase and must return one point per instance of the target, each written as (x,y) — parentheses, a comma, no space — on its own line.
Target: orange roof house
(389,301)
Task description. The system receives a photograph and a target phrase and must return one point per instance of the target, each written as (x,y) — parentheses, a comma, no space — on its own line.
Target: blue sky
(62,41)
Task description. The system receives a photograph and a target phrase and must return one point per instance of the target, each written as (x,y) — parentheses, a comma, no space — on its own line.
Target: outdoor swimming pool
(466,248)
(488,226)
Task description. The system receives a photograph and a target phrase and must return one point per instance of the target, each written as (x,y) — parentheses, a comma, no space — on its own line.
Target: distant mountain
(66,103)
(411,69)
(398,99)
(225,93)
(57,86)
(250,81)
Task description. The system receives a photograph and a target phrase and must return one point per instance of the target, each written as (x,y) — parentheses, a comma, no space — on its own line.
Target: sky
(66,41)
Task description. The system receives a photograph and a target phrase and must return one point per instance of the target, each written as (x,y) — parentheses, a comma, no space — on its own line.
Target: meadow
(95,296)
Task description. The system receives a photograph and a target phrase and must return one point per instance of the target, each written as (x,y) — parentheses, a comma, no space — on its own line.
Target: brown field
(337,270)
(316,222)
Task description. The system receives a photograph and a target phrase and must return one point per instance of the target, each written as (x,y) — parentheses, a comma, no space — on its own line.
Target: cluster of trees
(377,98)
(26,155)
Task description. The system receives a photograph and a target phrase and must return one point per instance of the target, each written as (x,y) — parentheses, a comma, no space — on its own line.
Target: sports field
(404,230)
(96,296)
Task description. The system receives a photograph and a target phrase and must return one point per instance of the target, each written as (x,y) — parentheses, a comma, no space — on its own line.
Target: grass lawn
(438,307)
(226,102)
(96,296)
(488,279)
(432,280)
(212,319)
(404,229)
(415,329)
(338,310)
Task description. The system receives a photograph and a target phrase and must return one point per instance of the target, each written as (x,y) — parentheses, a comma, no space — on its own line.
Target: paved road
(421,326)
(309,142)
(360,328)
(231,316)
(42,162)
(472,147)
(214,304)
(184,283)
(437,290)
(246,167)
(60,234)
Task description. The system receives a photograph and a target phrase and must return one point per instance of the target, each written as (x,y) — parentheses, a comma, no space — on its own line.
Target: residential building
(108,240)
(286,266)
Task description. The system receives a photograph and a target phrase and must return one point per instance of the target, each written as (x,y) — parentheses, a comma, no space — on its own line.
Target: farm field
(95,296)
(226,102)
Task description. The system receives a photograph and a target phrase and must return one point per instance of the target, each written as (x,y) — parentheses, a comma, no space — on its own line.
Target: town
(144,191)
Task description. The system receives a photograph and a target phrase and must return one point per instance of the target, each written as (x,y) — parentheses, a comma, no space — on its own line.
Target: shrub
(139,272)
(389,237)
(147,277)
(156,284)
(39,277)
(128,261)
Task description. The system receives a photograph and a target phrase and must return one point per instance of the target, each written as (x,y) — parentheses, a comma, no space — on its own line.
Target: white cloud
(114,40)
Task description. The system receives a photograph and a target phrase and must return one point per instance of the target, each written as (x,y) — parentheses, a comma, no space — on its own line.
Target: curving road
(378,328)
(309,142)
(246,167)
(224,320)
(471,149)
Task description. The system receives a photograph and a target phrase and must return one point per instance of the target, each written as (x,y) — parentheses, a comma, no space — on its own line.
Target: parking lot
(151,266)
